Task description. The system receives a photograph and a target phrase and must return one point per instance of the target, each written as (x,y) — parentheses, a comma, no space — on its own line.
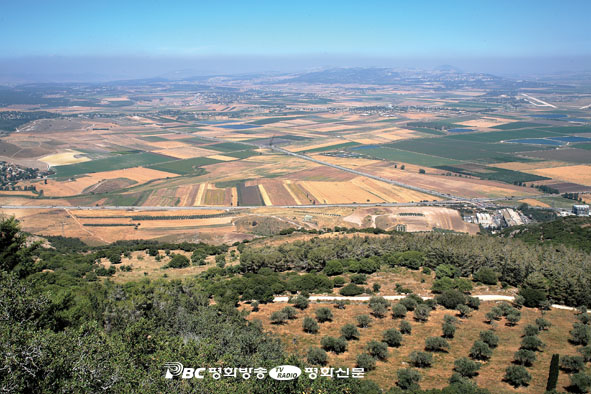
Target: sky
(315,32)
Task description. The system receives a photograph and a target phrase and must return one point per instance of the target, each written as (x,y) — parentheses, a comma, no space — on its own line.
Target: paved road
(483,297)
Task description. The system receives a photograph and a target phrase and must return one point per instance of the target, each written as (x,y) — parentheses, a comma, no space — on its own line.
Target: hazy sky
(440,29)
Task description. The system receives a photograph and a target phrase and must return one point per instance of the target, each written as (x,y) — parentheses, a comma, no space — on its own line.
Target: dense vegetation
(574,232)
(64,330)
(558,273)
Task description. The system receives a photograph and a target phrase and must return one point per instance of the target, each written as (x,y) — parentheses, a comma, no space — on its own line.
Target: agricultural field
(175,149)
(490,374)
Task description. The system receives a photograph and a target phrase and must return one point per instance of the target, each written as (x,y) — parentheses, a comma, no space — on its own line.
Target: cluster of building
(501,218)
(580,210)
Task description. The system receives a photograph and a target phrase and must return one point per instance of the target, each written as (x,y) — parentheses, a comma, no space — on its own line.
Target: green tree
(377,349)
(486,275)
(392,337)
(349,332)
(323,315)
(317,356)
(466,367)
(420,359)
(408,379)
(399,311)
(553,373)
(310,325)
(405,327)
(480,351)
(365,361)
(436,344)
(524,357)
(517,375)
(363,321)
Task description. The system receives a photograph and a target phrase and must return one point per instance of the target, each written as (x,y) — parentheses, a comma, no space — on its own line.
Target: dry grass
(491,374)
(580,174)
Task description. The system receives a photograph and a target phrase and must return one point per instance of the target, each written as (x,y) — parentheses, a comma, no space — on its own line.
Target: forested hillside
(66,327)
(574,232)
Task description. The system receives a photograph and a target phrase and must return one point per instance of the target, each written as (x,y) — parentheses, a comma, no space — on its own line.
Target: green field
(242,154)
(450,148)
(185,166)
(397,155)
(228,147)
(495,174)
(112,163)
(586,146)
(516,125)
(332,147)
(497,136)
(153,138)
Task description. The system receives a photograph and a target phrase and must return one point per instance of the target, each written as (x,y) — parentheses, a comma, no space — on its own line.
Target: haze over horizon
(76,41)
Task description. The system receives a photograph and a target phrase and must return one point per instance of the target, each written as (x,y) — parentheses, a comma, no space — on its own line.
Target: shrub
(310,325)
(513,318)
(340,304)
(464,311)
(376,300)
(392,337)
(278,317)
(473,302)
(450,319)
(585,352)
(421,359)
(365,361)
(530,330)
(338,281)
(580,383)
(405,327)
(409,303)
(301,302)
(255,306)
(543,324)
(533,298)
(493,314)
(446,271)
(531,342)
(449,330)
(422,313)
(519,301)
(572,364)
(333,267)
(379,310)
(399,311)
(408,379)
(480,351)
(178,261)
(349,332)
(359,279)
(580,334)
(524,357)
(351,290)
(332,344)
(436,344)
(376,287)
(490,338)
(378,349)
(450,299)
(317,356)
(290,312)
(466,367)
(363,321)
(323,315)
(487,276)
(517,375)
